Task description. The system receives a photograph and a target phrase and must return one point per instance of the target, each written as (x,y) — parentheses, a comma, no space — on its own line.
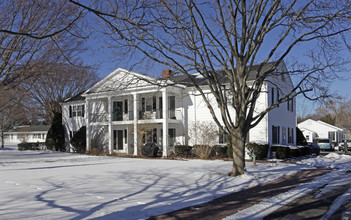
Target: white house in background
(115,110)
(29,134)
(312,129)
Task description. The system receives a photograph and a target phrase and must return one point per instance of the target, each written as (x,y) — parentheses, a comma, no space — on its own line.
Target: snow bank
(331,160)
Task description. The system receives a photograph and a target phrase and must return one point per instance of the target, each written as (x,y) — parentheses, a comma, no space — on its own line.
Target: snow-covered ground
(53,185)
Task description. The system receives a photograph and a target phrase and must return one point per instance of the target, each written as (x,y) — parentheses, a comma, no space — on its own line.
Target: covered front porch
(129,120)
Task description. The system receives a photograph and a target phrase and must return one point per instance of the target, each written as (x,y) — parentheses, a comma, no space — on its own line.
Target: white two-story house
(127,109)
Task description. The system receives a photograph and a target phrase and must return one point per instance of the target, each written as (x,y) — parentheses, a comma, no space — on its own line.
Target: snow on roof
(329,125)
(305,124)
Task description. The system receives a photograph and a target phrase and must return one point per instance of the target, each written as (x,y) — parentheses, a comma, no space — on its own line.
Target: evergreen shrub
(260,150)
(300,138)
(282,152)
(79,140)
(28,146)
(182,150)
(294,152)
(220,151)
(55,139)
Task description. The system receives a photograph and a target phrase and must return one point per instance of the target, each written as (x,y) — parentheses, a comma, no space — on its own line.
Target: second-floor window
(171,107)
(275,95)
(290,104)
(76,111)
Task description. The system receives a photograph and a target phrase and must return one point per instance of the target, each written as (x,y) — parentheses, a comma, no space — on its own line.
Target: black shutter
(83,111)
(70,111)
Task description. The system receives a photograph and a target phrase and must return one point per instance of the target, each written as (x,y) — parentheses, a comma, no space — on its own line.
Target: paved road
(322,203)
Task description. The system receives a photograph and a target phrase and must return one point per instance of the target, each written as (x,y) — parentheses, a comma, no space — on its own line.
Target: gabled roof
(29,128)
(329,125)
(304,124)
(122,79)
(77,97)
(306,129)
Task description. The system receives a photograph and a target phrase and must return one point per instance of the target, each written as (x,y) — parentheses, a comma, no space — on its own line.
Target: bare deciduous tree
(232,35)
(33,32)
(13,114)
(51,23)
(338,111)
(55,82)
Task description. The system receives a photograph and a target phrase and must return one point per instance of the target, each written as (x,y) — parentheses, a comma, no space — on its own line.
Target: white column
(135,114)
(110,130)
(165,122)
(87,115)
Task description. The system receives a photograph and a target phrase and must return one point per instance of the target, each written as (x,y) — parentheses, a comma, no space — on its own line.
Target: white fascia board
(329,125)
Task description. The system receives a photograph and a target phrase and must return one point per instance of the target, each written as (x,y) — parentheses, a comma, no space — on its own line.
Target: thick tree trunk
(238,145)
(2,139)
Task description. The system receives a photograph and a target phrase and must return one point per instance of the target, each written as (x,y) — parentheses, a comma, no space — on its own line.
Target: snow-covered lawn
(52,185)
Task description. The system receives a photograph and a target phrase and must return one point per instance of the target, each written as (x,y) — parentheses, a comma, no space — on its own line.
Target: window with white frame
(171,136)
(37,136)
(283,135)
(331,135)
(290,135)
(76,111)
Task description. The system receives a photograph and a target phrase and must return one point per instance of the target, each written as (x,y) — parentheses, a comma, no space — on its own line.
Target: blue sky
(103,59)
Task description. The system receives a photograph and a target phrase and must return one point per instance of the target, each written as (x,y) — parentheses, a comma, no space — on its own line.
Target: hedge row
(201,151)
(283,152)
(29,146)
(260,150)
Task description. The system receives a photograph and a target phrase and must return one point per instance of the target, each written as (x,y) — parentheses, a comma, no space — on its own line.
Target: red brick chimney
(166,73)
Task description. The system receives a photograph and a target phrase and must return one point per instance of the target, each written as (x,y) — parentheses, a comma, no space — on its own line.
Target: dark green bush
(294,152)
(28,146)
(282,152)
(182,150)
(220,151)
(260,150)
(79,140)
(300,138)
(303,150)
(55,139)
